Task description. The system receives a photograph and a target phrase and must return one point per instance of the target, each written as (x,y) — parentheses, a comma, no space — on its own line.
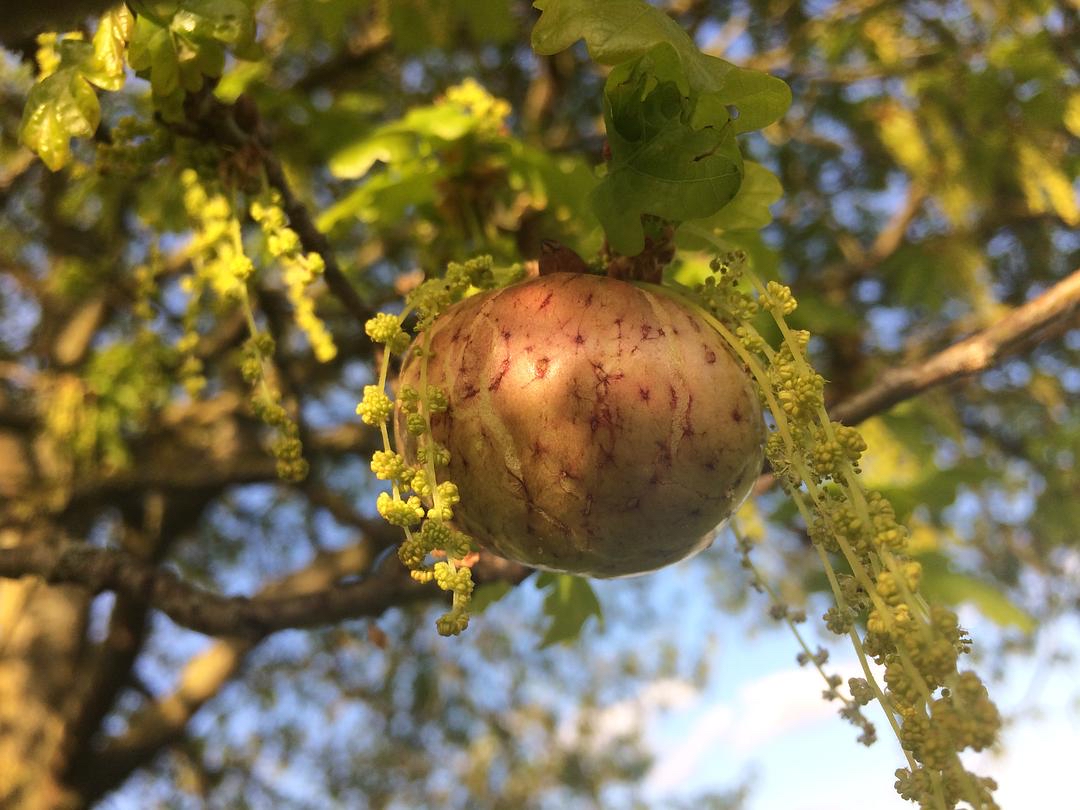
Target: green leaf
(749,209)
(58,108)
(569,603)
(671,112)
(152,52)
(105,68)
(177,45)
(664,161)
(488,594)
(616,31)
(941,584)
(208,59)
(385,197)
(242,75)
(230,22)
(404,139)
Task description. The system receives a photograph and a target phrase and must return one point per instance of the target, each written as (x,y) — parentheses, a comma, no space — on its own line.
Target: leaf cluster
(671,114)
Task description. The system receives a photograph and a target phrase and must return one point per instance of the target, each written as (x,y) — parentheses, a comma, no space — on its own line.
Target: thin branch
(238,126)
(357,58)
(891,237)
(1054,309)
(313,239)
(1056,306)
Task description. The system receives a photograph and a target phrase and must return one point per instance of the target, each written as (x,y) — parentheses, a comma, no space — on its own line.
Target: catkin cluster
(421,500)
(936,709)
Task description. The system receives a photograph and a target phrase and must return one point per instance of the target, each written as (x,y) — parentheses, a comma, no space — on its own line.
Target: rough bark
(43,631)
(41,640)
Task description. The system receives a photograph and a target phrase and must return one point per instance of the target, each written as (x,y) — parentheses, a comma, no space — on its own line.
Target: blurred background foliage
(929,168)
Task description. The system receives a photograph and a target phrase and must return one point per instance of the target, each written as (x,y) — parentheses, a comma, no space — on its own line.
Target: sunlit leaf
(403,139)
(106,67)
(616,31)
(663,162)
(59,108)
(941,584)
(153,51)
(227,21)
(750,207)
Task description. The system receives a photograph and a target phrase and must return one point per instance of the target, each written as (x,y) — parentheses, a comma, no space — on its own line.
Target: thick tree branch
(1056,306)
(163,721)
(99,570)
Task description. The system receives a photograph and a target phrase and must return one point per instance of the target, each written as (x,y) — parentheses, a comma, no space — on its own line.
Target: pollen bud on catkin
(458,579)
(420,483)
(839,620)
(778,296)
(861,691)
(409,399)
(438,454)
(452,623)
(386,328)
(436,399)
(389,466)
(376,406)
(399,512)
(446,496)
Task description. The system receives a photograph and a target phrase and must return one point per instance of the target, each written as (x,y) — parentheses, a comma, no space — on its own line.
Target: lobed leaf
(58,108)
(105,68)
(229,22)
(749,209)
(617,31)
(671,157)
(569,603)
(672,114)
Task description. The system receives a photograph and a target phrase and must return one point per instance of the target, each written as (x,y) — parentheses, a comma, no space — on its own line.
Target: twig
(972,355)
(1054,308)
(238,126)
(313,239)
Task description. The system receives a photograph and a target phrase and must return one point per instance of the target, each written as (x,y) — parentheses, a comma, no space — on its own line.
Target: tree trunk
(42,631)
(42,634)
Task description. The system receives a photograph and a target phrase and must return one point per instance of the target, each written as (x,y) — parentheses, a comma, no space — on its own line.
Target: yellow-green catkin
(222,268)
(937,709)
(300,271)
(421,500)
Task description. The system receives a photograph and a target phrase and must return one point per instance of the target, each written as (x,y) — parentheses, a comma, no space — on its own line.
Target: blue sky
(762,719)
